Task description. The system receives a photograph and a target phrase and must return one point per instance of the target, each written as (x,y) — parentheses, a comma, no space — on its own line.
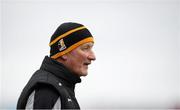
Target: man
(52,86)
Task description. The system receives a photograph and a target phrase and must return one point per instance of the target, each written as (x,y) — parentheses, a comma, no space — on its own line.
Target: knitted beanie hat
(67,37)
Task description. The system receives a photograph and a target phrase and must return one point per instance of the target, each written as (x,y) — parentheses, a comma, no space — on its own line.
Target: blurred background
(137,46)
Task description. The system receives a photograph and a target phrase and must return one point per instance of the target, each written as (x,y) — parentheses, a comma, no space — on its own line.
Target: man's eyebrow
(89,45)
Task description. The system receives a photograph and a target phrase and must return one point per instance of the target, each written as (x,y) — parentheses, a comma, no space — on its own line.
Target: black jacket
(53,84)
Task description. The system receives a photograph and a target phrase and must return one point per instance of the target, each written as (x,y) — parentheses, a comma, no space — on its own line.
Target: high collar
(59,70)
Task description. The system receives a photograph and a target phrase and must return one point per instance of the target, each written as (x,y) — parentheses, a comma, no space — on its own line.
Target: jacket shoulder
(44,78)
(43,97)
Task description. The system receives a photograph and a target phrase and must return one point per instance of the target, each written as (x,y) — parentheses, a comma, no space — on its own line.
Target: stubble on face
(77,62)
(80,58)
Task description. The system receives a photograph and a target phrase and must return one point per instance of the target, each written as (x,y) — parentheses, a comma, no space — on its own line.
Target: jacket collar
(59,70)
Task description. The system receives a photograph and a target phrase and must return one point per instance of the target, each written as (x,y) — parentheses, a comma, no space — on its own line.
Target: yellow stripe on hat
(65,34)
(89,39)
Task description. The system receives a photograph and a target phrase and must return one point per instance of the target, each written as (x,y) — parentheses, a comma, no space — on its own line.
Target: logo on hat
(61,45)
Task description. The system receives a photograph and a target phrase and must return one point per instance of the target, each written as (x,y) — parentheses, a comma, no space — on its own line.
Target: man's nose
(91,56)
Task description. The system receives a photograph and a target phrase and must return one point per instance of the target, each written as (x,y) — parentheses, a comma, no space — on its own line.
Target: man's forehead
(88,44)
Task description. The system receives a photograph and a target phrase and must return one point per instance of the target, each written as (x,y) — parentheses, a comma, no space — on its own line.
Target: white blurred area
(137,45)
(0,53)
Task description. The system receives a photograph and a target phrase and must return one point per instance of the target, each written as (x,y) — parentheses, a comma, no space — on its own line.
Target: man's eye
(85,48)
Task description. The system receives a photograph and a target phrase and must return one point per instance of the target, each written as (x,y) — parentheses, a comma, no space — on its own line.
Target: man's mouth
(87,63)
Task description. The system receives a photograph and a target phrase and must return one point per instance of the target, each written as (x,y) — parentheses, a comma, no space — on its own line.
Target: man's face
(79,59)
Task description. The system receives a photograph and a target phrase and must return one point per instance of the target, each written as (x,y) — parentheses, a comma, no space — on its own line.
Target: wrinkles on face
(80,58)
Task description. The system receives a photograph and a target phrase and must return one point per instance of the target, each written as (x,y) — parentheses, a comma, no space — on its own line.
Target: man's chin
(84,74)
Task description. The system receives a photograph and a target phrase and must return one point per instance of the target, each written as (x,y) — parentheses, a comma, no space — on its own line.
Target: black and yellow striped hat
(67,37)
